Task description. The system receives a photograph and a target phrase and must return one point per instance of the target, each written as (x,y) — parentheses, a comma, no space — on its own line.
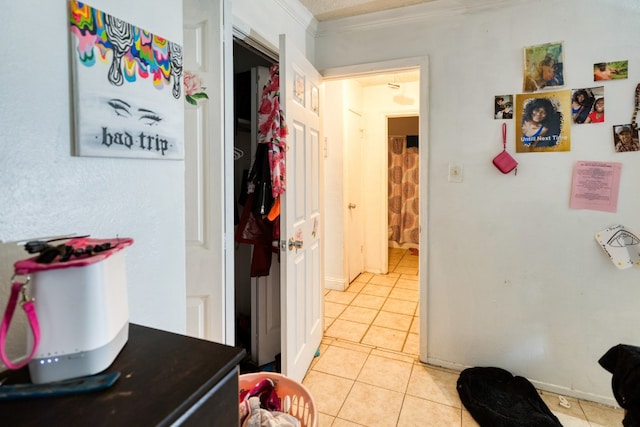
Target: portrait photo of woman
(543,121)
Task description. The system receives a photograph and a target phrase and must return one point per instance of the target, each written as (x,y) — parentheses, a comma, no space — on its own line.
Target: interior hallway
(368,372)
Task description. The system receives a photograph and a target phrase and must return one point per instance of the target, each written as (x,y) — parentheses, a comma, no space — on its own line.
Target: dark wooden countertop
(163,375)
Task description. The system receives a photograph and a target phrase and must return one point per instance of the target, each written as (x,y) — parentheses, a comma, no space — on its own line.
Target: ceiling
(324,10)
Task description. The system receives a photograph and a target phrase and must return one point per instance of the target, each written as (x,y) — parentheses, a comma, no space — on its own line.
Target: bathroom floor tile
(601,415)
(386,373)
(329,392)
(339,297)
(386,280)
(425,413)
(368,301)
(333,309)
(412,284)
(359,314)
(434,384)
(355,287)
(341,362)
(412,344)
(385,338)
(344,329)
(406,270)
(400,306)
(372,406)
(377,290)
(404,294)
(368,371)
(389,320)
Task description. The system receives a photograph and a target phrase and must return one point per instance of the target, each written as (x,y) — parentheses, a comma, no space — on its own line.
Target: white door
(204,212)
(353,172)
(302,270)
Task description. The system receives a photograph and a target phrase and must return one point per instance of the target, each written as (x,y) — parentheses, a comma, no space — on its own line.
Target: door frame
(422,63)
(231,31)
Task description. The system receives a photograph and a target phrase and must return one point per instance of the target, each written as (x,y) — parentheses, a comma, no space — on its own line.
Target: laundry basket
(294,397)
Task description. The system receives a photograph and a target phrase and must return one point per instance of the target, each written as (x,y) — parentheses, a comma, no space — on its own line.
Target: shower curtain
(403,189)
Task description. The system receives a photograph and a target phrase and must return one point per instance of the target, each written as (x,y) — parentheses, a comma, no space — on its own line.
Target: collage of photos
(545,111)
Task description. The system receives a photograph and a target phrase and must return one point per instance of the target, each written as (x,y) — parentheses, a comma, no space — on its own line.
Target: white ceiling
(324,10)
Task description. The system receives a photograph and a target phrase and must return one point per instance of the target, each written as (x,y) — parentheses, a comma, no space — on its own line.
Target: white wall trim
(335,283)
(407,15)
(358,70)
(300,15)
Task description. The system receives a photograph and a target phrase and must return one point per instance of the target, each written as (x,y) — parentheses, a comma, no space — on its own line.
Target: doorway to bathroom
(404,183)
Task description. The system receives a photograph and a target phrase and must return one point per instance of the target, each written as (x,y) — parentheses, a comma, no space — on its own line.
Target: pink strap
(504,135)
(30,311)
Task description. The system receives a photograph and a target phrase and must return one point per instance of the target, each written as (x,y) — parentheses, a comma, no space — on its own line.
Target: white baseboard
(335,283)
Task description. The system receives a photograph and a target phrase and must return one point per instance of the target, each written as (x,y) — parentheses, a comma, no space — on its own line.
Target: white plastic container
(83,312)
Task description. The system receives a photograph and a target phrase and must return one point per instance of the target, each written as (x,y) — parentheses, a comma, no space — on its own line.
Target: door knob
(352,205)
(293,243)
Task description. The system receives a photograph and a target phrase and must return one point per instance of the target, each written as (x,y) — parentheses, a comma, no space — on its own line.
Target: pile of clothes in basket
(261,407)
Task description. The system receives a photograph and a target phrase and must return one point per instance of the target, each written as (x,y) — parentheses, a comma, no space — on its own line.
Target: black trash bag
(623,361)
(496,398)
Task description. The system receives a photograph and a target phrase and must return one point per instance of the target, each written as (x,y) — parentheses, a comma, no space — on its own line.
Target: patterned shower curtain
(403,191)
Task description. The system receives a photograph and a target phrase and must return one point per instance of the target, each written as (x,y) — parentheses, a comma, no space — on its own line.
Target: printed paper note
(595,186)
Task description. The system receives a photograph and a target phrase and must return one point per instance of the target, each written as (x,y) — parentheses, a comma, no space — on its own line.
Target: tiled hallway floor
(368,372)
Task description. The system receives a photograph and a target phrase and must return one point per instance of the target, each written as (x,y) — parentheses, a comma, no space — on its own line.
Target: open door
(301,267)
(354,230)
(208,311)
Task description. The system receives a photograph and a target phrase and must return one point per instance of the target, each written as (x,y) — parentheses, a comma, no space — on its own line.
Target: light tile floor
(368,372)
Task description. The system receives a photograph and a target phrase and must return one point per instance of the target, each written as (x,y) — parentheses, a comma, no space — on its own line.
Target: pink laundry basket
(295,397)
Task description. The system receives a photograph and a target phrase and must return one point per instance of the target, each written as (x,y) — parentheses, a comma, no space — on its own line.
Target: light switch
(455,172)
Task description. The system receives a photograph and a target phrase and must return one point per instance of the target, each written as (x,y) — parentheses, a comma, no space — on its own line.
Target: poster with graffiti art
(127,92)
(543,121)
(621,244)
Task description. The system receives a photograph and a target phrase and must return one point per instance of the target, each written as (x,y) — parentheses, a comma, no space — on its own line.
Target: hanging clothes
(259,224)
(272,130)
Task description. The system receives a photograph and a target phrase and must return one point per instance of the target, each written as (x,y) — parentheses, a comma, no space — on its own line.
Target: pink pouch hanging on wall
(503,161)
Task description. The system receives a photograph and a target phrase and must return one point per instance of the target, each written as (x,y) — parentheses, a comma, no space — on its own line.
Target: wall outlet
(455,172)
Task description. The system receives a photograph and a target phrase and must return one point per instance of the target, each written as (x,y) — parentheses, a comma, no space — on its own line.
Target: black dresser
(166,379)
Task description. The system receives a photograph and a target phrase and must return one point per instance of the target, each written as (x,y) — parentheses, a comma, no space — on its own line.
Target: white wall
(514,278)
(265,20)
(335,275)
(45,191)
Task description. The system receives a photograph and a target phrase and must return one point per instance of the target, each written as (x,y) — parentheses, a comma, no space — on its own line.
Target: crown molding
(411,14)
(300,14)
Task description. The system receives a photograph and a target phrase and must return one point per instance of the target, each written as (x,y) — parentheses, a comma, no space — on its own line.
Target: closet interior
(257,297)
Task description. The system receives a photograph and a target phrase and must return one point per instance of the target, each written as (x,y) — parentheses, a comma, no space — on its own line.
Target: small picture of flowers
(193,88)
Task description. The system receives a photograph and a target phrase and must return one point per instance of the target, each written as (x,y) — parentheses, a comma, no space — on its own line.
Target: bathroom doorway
(404,183)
